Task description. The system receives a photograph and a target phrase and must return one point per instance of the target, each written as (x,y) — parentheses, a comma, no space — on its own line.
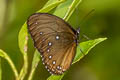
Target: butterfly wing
(54,39)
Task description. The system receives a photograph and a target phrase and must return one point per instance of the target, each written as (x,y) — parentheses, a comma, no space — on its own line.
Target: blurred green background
(102,62)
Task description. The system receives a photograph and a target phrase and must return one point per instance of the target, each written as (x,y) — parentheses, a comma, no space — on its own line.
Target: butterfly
(55,39)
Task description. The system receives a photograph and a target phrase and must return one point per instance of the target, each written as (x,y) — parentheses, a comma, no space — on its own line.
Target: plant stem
(31,74)
(23,40)
(12,66)
(5,56)
(35,62)
(71,9)
(25,67)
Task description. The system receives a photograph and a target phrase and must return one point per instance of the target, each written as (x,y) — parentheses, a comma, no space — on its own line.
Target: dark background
(102,62)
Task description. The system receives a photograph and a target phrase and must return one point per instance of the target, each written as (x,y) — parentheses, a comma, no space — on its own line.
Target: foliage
(54,7)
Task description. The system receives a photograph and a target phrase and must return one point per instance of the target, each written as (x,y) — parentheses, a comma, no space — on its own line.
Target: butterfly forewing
(54,39)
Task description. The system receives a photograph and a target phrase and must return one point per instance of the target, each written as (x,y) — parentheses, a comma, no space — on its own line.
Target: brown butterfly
(55,39)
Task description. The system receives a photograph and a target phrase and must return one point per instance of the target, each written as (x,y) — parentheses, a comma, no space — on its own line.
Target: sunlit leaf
(51,4)
(55,77)
(23,39)
(72,8)
(86,47)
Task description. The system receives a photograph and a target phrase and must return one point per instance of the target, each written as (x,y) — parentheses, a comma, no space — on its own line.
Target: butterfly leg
(86,37)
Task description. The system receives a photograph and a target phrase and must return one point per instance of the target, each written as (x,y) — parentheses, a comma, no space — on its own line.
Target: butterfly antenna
(86,37)
(83,20)
(86,16)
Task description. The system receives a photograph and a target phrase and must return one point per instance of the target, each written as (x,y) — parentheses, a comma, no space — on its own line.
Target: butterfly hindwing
(54,39)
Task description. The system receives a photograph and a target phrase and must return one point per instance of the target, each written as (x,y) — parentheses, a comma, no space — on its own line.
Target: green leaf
(51,4)
(0,70)
(23,39)
(71,9)
(55,77)
(36,59)
(5,56)
(1,53)
(86,47)
(62,9)
(35,62)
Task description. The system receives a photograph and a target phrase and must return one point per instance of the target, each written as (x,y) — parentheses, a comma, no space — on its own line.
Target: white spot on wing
(50,57)
(46,67)
(64,69)
(48,70)
(57,37)
(59,67)
(41,55)
(48,50)
(41,33)
(42,59)
(48,63)
(49,43)
(54,62)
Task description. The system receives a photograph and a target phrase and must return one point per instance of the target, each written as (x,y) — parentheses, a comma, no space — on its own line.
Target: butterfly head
(78,31)
(77,35)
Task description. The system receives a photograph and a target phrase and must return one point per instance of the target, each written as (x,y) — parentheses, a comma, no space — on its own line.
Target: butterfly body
(55,39)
